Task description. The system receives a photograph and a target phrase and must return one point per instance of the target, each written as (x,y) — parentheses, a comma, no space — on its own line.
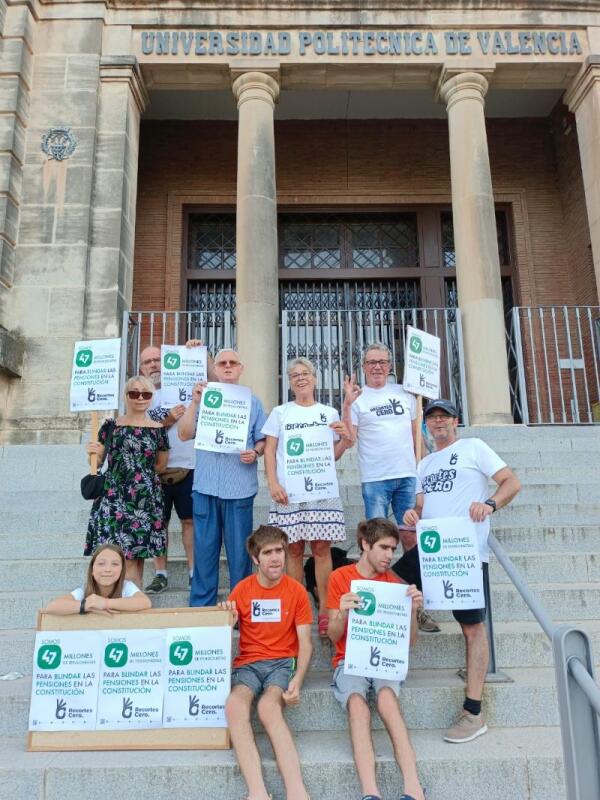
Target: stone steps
(70,572)
(518,644)
(562,601)
(515,539)
(429,699)
(523,763)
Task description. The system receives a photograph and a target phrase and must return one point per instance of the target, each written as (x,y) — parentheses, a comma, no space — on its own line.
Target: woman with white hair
(130,511)
(318,522)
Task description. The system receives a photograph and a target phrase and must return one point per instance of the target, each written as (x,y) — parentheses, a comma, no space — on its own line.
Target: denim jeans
(378,496)
(215,521)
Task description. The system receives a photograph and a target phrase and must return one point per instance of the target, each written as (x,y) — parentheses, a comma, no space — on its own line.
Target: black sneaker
(158,585)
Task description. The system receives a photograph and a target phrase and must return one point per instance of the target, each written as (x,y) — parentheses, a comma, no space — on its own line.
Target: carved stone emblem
(59,143)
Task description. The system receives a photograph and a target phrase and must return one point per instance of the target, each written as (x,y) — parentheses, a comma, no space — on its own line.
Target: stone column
(583,99)
(109,284)
(257,299)
(477,261)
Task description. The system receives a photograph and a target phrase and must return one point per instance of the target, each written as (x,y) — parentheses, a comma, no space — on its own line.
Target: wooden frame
(151,739)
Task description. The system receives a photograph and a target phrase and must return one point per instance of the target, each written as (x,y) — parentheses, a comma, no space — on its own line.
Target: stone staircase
(551,532)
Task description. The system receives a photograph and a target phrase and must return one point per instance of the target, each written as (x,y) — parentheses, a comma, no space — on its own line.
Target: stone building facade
(420,153)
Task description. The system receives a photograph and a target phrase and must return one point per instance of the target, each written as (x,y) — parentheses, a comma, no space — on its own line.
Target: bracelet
(82,607)
(256,451)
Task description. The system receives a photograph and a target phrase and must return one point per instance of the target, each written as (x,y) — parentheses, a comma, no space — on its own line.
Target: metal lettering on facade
(349,43)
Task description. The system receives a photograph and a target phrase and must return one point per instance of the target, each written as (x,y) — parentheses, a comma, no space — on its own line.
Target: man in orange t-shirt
(377,540)
(275,618)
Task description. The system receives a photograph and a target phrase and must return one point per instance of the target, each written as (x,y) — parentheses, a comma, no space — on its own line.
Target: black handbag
(92,486)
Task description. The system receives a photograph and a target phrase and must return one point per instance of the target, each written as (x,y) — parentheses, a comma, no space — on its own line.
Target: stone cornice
(585,79)
(125,69)
(416,6)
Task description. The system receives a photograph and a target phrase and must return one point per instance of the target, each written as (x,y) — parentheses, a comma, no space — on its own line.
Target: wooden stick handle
(94,438)
(418,450)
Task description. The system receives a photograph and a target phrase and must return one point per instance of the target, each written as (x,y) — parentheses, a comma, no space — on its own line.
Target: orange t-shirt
(339,584)
(268,618)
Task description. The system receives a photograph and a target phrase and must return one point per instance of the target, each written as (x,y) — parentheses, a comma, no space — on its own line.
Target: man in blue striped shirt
(224,488)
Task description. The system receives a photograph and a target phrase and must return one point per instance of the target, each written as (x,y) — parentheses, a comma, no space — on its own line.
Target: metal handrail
(578,694)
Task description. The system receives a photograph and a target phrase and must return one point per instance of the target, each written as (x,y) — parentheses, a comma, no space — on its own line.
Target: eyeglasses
(382,362)
(228,363)
(297,375)
(137,394)
(150,361)
(438,417)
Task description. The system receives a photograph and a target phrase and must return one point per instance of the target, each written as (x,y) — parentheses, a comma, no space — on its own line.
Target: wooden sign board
(148,739)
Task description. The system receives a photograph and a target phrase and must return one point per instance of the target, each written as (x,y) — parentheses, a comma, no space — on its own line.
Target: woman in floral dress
(130,511)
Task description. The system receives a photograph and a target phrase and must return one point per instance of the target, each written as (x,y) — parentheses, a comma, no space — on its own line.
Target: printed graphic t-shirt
(339,584)
(290,417)
(268,618)
(181,454)
(385,442)
(453,478)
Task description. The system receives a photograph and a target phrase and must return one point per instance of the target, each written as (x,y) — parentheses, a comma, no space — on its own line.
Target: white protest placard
(181,368)
(64,681)
(309,465)
(378,637)
(95,375)
(198,679)
(450,564)
(422,363)
(224,418)
(130,692)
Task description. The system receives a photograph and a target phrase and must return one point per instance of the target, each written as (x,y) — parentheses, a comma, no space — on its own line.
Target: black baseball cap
(444,405)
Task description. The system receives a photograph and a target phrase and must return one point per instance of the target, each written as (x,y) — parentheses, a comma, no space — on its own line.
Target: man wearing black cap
(453,482)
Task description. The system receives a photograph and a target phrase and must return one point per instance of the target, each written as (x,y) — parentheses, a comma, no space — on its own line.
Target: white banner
(130,693)
(422,363)
(95,375)
(379,631)
(64,683)
(309,465)
(450,564)
(224,418)
(181,368)
(198,677)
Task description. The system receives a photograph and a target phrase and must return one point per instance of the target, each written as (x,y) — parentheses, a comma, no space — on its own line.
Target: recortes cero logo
(295,446)
(416,344)
(49,656)
(180,653)
(430,541)
(171,361)
(116,654)
(84,357)
(213,398)
(368,604)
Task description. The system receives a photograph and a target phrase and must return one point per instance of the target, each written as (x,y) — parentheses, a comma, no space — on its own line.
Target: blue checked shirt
(223,474)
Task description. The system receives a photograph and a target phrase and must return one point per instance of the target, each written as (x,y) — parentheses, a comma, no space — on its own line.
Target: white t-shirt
(129,589)
(453,478)
(181,454)
(291,417)
(385,443)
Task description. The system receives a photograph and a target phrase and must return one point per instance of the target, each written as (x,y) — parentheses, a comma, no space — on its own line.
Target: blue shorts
(259,675)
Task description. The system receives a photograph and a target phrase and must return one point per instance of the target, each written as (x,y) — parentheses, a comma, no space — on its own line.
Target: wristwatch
(82,607)
(491,503)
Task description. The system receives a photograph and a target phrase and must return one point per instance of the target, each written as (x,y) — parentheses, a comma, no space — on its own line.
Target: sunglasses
(137,394)
(228,363)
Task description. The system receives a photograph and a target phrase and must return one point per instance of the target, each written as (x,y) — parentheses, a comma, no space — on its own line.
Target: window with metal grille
(211,241)
(348,241)
(448,250)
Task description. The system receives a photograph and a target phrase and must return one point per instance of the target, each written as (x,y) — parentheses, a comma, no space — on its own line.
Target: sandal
(323,622)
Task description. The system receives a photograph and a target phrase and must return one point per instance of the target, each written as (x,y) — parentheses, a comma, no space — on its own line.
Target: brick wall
(368,162)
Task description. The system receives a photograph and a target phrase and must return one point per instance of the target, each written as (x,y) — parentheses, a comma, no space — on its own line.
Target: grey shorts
(259,675)
(345,685)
